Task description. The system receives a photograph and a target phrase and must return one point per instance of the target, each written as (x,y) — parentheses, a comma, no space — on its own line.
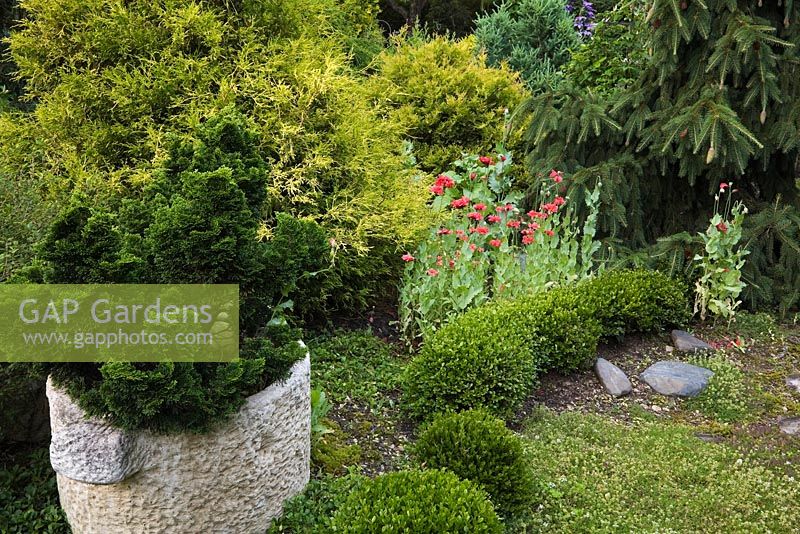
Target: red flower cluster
(459,203)
(442,182)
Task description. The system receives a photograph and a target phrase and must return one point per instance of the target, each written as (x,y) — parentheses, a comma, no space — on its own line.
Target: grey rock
(686,342)
(709,438)
(790,425)
(676,378)
(612,377)
(232,479)
(793,382)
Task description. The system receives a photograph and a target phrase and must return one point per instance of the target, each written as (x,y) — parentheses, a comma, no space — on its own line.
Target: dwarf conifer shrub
(478,447)
(448,98)
(192,224)
(417,501)
(533,37)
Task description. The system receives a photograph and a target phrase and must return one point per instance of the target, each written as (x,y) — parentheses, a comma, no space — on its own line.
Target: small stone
(686,342)
(790,425)
(709,438)
(793,382)
(669,348)
(612,377)
(676,378)
(656,408)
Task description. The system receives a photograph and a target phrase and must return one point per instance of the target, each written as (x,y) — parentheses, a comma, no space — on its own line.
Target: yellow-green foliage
(448,98)
(113,79)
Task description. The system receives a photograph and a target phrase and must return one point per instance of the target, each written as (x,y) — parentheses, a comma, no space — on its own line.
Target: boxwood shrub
(489,357)
(629,301)
(481,359)
(417,501)
(478,447)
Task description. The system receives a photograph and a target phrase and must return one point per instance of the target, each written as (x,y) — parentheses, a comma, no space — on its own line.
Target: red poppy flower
(495,242)
(527,240)
(473,246)
(475,216)
(439,261)
(549,232)
(408,257)
(483,230)
(722,227)
(445,181)
(723,186)
(556,176)
(432,272)
(458,203)
(480,206)
(513,224)
(437,190)
(559,201)
(533,226)
(493,218)
(486,160)
(444,231)
(550,207)
(537,215)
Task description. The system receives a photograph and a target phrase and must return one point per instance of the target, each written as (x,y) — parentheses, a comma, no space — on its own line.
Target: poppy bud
(763,116)
(710,155)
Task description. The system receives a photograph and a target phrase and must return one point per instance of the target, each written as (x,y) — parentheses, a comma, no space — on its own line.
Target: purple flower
(584,15)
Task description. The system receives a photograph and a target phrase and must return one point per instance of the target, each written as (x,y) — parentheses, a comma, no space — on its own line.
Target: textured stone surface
(234,479)
(676,378)
(613,379)
(791,426)
(793,382)
(686,342)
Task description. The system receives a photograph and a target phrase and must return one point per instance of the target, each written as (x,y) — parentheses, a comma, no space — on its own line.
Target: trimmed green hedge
(482,359)
(417,501)
(490,356)
(478,447)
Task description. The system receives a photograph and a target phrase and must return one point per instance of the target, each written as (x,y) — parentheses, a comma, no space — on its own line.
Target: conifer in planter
(196,223)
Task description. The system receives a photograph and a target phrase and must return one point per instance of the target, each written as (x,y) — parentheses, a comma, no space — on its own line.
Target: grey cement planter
(234,479)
